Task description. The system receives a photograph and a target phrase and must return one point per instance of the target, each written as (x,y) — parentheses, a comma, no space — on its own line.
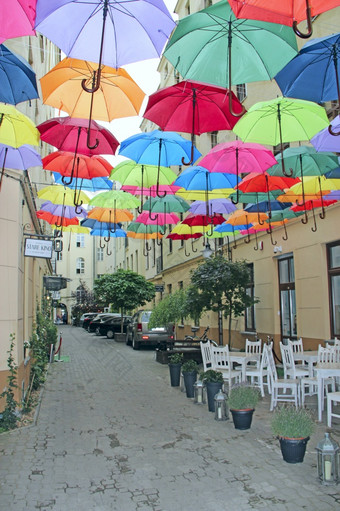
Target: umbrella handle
(247,239)
(270,231)
(309,24)
(191,156)
(256,242)
(235,114)
(333,133)
(107,238)
(285,237)
(194,250)
(107,250)
(88,138)
(305,219)
(95,82)
(315,227)
(77,207)
(100,243)
(185,251)
(237,197)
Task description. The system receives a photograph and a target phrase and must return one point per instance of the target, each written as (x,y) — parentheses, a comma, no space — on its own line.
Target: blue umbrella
(17,78)
(95,224)
(313,73)
(200,178)
(106,233)
(264,206)
(89,185)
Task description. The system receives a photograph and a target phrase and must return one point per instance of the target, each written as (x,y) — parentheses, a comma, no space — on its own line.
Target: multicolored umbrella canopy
(167,204)
(20,21)
(117,96)
(115,199)
(95,184)
(62,210)
(71,134)
(128,31)
(80,166)
(17,79)
(20,158)
(16,129)
(152,190)
(61,195)
(110,215)
(213,46)
(58,221)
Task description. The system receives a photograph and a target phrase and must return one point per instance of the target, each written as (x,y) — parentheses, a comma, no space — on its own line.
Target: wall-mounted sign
(38,248)
(159,288)
(54,283)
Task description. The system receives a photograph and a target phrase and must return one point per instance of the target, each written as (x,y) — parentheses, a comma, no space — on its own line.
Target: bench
(190,348)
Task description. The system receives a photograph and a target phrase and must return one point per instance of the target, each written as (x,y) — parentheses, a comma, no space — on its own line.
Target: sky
(147,77)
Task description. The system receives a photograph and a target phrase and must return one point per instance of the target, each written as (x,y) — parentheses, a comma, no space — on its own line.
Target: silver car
(139,333)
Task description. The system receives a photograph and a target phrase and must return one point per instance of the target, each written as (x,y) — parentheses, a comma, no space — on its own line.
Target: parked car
(111,326)
(86,316)
(97,320)
(138,332)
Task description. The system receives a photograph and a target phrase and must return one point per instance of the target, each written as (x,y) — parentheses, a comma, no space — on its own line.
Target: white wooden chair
(332,397)
(298,352)
(325,356)
(206,355)
(283,385)
(254,348)
(259,376)
(290,369)
(221,362)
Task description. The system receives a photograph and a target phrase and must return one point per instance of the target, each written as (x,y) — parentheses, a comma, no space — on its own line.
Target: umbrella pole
(160,196)
(285,237)
(150,215)
(3,167)
(270,231)
(229,77)
(90,120)
(256,242)
(323,212)
(235,245)
(192,130)
(281,143)
(315,227)
(237,190)
(309,24)
(140,209)
(335,62)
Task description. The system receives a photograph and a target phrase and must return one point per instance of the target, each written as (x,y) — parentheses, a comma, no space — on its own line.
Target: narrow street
(111,434)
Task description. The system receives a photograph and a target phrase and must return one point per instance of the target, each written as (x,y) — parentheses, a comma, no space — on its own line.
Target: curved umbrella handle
(147,247)
(107,250)
(107,238)
(100,243)
(309,24)
(185,251)
(88,139)
(304,220)
(270,231)
(247,239)
(151,217)
(193,249)
(190,162)
(231,105)
(256,242)
(237,197)
(285,237)
(315,227)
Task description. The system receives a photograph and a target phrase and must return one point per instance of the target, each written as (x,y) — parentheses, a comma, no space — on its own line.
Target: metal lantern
(221,413)
(199,393)
(328,460)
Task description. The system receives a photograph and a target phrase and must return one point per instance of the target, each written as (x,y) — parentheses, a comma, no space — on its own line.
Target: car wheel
(97,331)
(135,344)
(110,334)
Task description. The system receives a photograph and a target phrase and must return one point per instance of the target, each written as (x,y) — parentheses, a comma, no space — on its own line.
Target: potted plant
(213,381)
(189,371)
(293,426)
(175,364)
(242,400)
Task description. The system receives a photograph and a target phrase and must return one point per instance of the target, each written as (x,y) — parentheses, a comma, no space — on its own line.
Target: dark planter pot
(175,374)
(189,381)
(212,389)
(242,418)
(293,449)
(120,337)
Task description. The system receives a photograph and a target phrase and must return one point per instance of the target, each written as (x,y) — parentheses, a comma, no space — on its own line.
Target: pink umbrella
(162,219)
(152,190)
(17,18)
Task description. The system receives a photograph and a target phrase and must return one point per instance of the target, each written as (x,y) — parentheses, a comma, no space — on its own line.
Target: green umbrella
(281,120)
(304,161)
(215,47)
(167,204)
(115,199)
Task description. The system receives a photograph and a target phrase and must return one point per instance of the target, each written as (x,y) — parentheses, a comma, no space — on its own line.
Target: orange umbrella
(110,215)
(241,217)
(117,96)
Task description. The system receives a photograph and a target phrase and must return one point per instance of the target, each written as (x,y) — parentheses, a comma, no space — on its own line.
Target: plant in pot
(213,381)
(242,400)
(189,371)
(293,426)
(175,365)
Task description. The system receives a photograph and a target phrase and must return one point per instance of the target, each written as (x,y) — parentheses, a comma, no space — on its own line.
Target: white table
(310,357)
(324,371)
(242,358)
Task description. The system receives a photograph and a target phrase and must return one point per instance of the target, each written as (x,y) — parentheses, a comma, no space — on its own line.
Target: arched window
(80,265)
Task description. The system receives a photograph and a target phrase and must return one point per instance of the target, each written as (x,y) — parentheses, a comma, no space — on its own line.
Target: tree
(124,290)
(169,310)
(220,285)
(84,302)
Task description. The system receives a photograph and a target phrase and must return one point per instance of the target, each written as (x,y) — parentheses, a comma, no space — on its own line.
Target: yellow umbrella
(144,235)
(78,229)
(314,185)
(16,129)
(191,229)
(118,94)
(217,193)
(61,195)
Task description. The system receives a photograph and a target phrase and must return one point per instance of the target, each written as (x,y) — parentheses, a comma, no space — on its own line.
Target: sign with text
(159,288)
(38,248)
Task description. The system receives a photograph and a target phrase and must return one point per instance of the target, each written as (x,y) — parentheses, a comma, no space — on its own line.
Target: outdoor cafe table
(241,357)
(324,371)
(311,357)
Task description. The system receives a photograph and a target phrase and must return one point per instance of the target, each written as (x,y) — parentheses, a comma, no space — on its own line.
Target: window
(250,311)
(80,265)
(169,289)
(81,294)
(333,255)
(287,297)
(213,138)
(100,254)
(80,240)
(170,246)
(59,256)
(241,91)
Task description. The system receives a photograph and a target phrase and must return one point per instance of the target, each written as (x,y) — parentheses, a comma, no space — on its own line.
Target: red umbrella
(204,220)
(70,134)
(265,183)
(82,166)
(193,107)
(59,221)
(284,12)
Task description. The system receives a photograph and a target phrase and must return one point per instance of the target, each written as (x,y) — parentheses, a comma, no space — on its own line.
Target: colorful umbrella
(115,199)
(70,134)
(313,73)
(168,204)
(281,120)
(264,183)
(223,206)
(17,78)
(61,195)
(213,46)
(325,141)
(95,184)
(112,32)
(203,221)
(192,107)
(73,229)
(58,221)
(152,190)
(62,211)
(110,215)
(85,167)
(161,219)
(21,158)
(17,18)
(16,129)
(199,178)
(305,161)
(96,224)
(285,12)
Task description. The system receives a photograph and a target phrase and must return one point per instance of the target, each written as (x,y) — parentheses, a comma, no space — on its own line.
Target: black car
(86,321)
(96,321)
(113,325)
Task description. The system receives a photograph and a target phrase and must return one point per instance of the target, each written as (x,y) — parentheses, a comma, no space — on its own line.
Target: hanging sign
(38,248)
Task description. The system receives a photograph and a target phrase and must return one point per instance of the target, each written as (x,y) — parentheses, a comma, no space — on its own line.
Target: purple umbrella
(222,206)
(21,158)
(325,141)
(63,211)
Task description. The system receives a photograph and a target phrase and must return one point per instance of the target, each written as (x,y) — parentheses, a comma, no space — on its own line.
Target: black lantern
(328,460)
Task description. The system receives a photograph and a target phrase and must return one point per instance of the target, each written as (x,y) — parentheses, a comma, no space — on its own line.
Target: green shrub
(8,418)
(189,366)
(243,397)
(176,358)
(291,422)
(211,376)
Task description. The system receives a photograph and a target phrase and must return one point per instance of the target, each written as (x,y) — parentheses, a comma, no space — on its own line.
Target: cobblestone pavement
(111,434)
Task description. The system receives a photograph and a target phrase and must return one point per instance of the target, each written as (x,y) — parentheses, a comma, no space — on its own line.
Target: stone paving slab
(112,434)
